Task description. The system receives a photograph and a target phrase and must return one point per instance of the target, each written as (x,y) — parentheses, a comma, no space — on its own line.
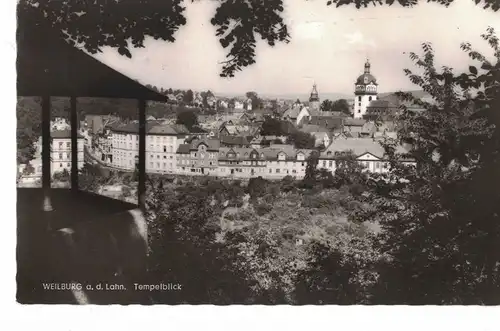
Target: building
(314,103)
(59,124)
(367,152)
(97,123)
(319,133)
(238,105)
(365,91)
(234,141)
(241,163)
(60,153)
(162,142)
(330,123)
(285,160)
(296,114)
(199,157)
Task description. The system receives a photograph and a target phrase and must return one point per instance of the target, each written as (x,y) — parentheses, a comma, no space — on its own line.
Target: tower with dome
(314,99)
(364,92)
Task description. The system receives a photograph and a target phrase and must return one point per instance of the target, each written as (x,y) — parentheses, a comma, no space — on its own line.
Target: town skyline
(318,35)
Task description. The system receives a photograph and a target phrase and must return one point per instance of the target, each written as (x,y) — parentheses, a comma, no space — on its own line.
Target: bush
(263,208)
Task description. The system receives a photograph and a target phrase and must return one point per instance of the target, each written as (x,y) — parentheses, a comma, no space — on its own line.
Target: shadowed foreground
(87,239)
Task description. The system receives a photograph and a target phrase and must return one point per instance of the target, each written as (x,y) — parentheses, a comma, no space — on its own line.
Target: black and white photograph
(257,152)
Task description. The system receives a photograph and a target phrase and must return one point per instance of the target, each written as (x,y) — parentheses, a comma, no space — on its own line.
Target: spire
(314,94)
(367,66)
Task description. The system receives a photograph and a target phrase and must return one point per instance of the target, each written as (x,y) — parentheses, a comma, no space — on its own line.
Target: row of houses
(172,149)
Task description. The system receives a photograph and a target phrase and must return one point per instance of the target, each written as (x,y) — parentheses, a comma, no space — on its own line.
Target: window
(60,156)
(359,99)
(68,144)
(164,156)
(60,165)
(277,171)
(370,98)
(270,171)
(330,164)
(164,148)
(151,164)
(69,164)
(324,164)
(157,156)
(151,156)
(158,165)
(60,144)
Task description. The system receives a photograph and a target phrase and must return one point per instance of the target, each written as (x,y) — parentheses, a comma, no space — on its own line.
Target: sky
(329,47)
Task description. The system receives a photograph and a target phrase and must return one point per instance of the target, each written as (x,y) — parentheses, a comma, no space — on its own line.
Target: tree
(311,169)
(28,129)
(256,101)
(187,118)
(188,97)
(342,106)
(271,127)
(327,105)
(436,216)
(301,140)
(161,21)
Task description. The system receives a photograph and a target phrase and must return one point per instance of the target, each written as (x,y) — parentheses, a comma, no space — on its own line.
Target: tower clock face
(366,80)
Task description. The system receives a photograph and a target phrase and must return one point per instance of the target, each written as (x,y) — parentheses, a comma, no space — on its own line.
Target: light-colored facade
(198,158)
(60,153)
(162,142)
(368,152)
(285,160)
(241,163)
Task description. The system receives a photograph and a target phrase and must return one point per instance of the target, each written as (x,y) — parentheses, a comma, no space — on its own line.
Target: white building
(238,104)
(365,91)
(162,142)
(367,152)
(60,154)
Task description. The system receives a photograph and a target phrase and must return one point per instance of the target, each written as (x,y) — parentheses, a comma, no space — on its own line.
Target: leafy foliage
(187,118)
(340,105)
(440,220)
(301,139)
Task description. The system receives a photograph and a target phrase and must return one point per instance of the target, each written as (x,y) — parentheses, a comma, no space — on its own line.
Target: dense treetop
(239,23)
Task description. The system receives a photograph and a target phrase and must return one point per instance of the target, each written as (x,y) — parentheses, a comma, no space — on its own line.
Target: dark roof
(153,128)
(234,140)
(212,145)
(48,65)
(354,121)
(183,149)
(62,134)
(328,122)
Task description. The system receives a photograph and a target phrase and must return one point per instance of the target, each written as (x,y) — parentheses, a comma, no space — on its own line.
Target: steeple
(367,67)
(314,94)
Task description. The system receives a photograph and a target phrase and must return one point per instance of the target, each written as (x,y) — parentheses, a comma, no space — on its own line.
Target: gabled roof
(239,153)
(271,153)
(48,65)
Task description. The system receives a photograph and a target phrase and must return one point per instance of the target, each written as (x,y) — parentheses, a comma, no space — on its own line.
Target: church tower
(314,99)
(364,92)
